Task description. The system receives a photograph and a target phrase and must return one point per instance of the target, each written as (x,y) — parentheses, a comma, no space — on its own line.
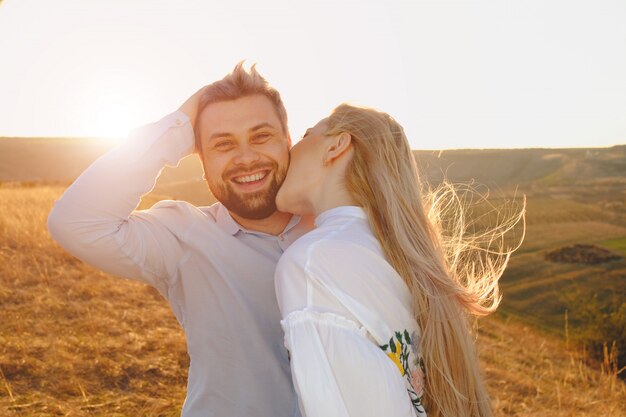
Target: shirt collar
(226,222)
(341,211)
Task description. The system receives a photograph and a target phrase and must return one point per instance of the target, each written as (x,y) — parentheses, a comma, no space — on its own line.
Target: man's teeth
(250,178)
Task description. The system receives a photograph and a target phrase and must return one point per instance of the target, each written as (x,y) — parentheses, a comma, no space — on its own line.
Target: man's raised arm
(95,220)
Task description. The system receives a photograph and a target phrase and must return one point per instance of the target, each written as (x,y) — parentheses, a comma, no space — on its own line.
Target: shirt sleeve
(337,370)
(95,220)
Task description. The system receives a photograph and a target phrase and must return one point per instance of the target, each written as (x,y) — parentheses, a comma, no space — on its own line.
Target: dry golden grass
(76,342)
(530,373)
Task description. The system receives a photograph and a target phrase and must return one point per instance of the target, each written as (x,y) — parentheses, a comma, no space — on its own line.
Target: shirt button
(178,122)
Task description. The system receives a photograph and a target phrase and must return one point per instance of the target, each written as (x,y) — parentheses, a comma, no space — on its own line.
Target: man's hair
(239,83)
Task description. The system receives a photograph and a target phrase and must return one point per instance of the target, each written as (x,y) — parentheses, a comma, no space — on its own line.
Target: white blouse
(353,342)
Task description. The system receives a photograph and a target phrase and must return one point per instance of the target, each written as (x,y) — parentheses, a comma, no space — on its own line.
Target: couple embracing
(321,284)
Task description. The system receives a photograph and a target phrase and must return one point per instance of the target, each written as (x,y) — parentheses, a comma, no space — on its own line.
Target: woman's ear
(338,147)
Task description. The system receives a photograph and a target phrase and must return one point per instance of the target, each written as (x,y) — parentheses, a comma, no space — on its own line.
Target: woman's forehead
(322,125)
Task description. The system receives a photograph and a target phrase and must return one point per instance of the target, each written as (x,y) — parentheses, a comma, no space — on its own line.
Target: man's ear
(338,146)
(289,143)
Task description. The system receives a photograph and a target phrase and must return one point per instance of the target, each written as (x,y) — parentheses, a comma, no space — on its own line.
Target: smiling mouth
(247,179)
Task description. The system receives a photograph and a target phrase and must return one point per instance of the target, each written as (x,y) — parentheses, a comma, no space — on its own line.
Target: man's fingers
(190,107)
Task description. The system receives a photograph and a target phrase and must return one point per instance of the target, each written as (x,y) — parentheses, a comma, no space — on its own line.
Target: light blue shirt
(217,276)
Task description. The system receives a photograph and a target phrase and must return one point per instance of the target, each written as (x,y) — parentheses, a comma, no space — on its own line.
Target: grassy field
(617,245)
(77,342)
(74,341)
(542,290)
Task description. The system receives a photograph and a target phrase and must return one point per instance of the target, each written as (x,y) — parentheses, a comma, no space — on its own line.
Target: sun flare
(105,104)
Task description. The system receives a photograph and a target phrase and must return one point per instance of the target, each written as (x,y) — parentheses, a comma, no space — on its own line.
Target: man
(215,265)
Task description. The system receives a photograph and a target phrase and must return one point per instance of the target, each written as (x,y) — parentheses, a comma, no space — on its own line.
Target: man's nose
(246,155)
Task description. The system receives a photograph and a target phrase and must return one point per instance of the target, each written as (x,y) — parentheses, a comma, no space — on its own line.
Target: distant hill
(48,159)
(523,166)
(63,159)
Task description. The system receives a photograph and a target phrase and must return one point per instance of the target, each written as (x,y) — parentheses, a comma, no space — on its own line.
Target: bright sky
(456,74)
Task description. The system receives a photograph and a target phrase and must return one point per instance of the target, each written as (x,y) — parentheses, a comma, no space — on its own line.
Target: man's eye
(262,137)
(223,145)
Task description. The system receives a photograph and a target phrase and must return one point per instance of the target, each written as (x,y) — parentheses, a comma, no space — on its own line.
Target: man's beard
(254,206)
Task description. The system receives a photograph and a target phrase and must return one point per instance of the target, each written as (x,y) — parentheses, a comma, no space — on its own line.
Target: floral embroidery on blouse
(403,350)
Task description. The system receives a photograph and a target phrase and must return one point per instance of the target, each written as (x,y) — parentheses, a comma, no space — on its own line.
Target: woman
(376,300)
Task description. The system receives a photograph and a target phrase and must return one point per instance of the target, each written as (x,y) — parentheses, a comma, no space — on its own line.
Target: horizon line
(118,139)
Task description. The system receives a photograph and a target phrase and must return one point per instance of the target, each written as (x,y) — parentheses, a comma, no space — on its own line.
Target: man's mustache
(236,172)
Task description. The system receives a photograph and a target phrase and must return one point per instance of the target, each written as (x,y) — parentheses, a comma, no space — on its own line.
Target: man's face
(245,154)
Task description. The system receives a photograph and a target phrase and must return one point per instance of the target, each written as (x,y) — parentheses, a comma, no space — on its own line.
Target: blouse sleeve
(337,369)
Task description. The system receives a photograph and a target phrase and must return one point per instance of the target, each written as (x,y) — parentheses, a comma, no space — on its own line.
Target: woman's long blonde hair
(452,272)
